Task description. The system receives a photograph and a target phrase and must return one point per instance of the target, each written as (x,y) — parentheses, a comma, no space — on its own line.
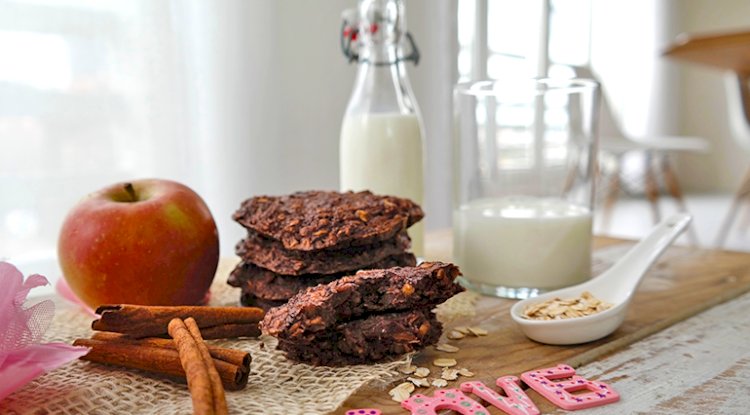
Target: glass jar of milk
(524,159)
(382,140)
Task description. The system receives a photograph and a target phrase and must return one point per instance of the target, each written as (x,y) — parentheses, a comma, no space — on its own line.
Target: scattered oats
(477,331)
(465,372)
(449,374)
(456,335)
(422,372)
(439,383)
(442,362)
(462,329)
(448,348)
(407,370)
(419,382)
(402,391)
(558,309)
(461,305)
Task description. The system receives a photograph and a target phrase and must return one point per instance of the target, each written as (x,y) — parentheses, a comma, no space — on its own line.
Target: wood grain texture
(698,366)
(723,50)
(683,283)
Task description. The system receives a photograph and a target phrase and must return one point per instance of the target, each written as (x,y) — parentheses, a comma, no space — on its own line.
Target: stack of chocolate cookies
(309,238)
(365,318)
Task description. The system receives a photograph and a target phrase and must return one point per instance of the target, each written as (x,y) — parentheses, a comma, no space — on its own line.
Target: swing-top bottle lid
(377,23)
(381,21)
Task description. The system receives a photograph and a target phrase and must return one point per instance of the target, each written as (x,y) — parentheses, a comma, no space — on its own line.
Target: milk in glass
(523,242)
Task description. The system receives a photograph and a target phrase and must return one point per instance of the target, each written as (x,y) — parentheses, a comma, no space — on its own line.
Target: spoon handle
(635,262)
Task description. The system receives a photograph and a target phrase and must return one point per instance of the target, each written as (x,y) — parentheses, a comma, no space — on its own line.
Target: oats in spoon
(557,309)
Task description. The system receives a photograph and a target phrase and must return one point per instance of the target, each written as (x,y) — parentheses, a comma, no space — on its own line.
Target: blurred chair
(656,150)
(738,107)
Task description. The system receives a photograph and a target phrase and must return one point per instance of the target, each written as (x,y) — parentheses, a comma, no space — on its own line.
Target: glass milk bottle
(382,144)
(524,159)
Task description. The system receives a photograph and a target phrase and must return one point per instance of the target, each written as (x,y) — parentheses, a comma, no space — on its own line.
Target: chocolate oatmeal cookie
(268,285)
(249,300)
(272,255)
(313,220)
(319,309)
(369,340)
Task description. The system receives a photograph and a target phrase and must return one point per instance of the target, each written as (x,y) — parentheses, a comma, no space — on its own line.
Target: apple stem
(131,192)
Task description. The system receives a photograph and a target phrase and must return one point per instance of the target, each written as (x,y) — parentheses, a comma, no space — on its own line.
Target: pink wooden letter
(443,399)
(367,411)
(514,403)
(545,382)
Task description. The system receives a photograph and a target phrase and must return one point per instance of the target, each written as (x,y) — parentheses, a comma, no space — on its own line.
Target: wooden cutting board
(684,282)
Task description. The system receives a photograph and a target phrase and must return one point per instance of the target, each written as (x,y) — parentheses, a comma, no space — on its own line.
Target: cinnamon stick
(233,356)
(220,400)
(196,370)
(230,331)
(151,321)
(160,360)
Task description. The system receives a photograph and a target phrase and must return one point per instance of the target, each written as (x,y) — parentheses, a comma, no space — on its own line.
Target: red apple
(150,242)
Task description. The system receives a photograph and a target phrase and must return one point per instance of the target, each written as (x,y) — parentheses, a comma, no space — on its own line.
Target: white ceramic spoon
(615,286)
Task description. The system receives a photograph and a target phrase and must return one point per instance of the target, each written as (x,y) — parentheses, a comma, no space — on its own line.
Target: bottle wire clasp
(350,36)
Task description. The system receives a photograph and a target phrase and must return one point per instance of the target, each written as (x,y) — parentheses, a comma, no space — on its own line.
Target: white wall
(702,100)
(626,38)
(434,26)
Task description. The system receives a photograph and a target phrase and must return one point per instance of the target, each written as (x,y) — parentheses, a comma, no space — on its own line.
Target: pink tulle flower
(64,291)
(22,357)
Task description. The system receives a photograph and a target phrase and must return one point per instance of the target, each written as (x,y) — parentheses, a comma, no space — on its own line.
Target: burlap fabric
(276,385)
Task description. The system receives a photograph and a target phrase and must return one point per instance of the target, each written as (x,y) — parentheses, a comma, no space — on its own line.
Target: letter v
(514,403)
(443,399)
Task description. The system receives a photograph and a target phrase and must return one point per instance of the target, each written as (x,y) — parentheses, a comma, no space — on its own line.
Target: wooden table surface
(684,347)
(730,51)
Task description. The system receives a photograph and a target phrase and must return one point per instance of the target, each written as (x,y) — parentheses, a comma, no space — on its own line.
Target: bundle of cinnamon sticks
(139,321)
(137,337)
(202,377)
(160,356)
